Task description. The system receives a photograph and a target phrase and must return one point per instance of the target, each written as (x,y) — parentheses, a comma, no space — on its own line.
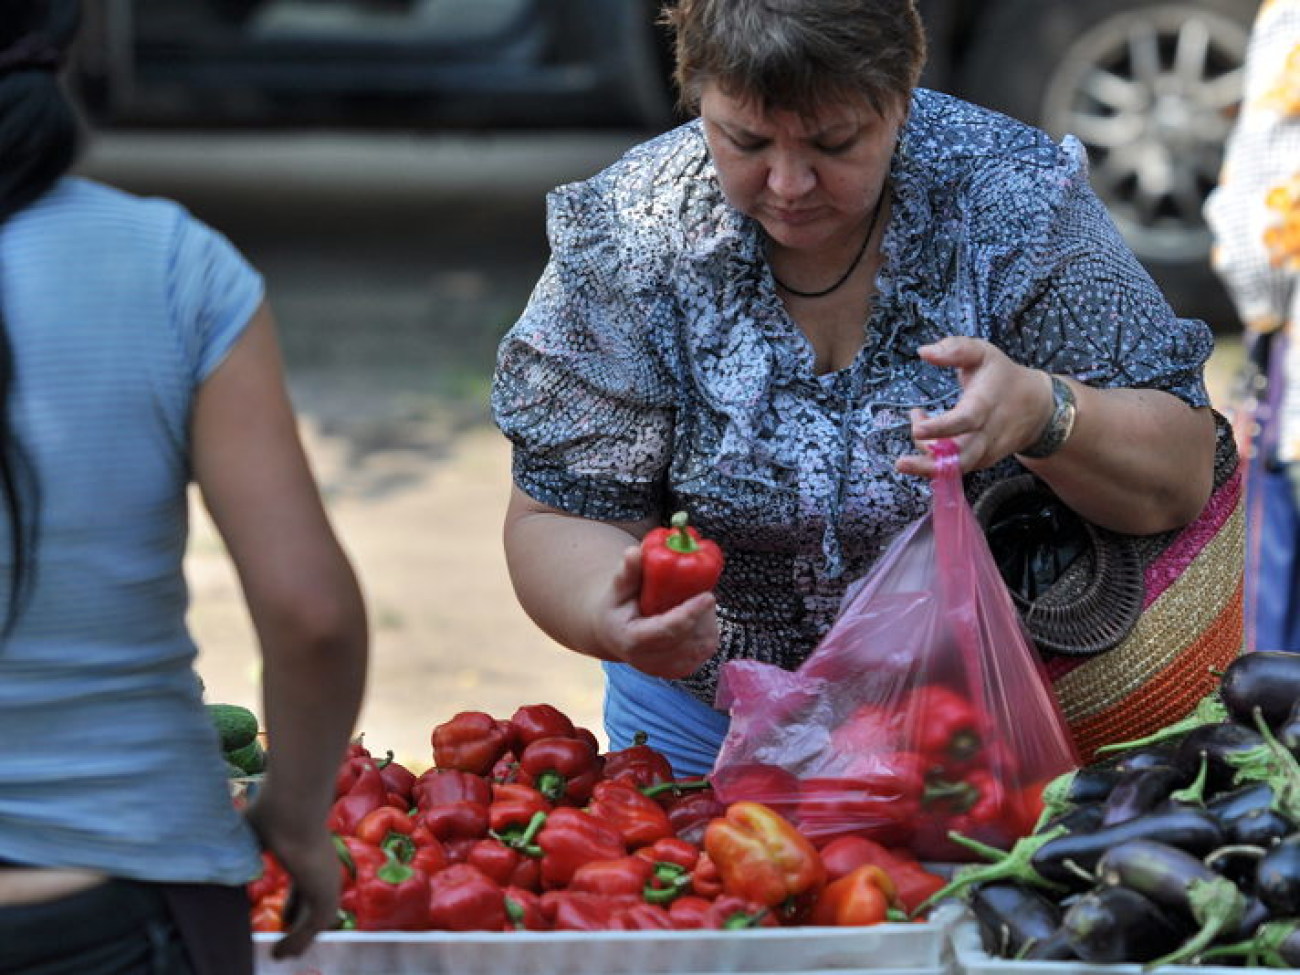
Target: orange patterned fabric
(1191,629)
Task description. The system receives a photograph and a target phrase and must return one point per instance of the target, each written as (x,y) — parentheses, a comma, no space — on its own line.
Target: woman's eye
(837,148)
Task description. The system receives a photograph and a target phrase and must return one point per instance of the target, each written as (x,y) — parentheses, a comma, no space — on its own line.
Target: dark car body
(1150,87)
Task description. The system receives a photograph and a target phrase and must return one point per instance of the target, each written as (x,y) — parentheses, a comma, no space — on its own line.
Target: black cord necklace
(871,230)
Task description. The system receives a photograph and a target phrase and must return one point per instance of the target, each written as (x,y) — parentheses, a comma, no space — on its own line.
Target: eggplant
(1070,858)
(1012,917)
(1055,947)
(1080,819)
(1160,753)
(1092,783)
(1255,914)
(1139,791)
(1288,732)
(1227,806)
(1262,827)
(1277,878)
(1117,924)
(1264,679)
(1221,746)
(1238,862)
(1181,885)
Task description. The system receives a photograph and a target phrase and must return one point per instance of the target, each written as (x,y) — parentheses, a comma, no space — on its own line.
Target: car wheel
(1151,88)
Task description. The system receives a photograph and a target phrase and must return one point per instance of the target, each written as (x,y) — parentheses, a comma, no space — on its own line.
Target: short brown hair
(798,54)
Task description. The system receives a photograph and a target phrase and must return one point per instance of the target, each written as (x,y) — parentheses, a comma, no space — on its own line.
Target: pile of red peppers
(523,824)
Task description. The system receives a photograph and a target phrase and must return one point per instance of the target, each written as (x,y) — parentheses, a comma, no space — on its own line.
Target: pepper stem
(679,539)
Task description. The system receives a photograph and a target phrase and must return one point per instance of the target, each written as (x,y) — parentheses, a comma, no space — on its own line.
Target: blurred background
(384,163)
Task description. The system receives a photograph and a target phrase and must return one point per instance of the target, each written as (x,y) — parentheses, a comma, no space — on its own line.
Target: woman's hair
(39,139)
(798,55)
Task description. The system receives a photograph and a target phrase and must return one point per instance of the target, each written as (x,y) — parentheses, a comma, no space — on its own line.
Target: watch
(1059,424)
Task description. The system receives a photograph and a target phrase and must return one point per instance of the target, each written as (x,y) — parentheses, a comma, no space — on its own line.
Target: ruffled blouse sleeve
(1067,294)
(581,388)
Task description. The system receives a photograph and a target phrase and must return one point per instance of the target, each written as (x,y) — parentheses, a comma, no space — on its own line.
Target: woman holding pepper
(757,318)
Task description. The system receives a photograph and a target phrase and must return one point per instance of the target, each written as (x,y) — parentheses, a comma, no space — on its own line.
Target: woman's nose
(790,177)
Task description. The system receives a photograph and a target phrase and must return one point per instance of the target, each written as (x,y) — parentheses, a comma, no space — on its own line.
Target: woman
(1255,216)
(138,354)
(757,317)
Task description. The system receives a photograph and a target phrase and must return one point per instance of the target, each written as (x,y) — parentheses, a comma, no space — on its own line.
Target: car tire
(1106,71)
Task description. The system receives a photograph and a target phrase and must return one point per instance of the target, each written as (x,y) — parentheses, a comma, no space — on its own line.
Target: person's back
(138,355)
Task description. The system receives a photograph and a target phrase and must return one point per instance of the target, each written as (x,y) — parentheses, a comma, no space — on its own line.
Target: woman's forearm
(562,569)
(1137,461)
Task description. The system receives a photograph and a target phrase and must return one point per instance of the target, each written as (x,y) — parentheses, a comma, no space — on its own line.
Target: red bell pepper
(267,914)
(524,910)
(562,769)
(429,856)
(691,911)
(441,785)
(762,857)
(505,864)
(676,564)
(622,876)
(949,728)
(460,820)
(760,782)
(913,883)
(533,721)
(272,878)
(863,896)
(399,781)
(393,898)
(643,917)
(577,910)
(869,730)
(389,829)
(732,912)
(638,818)
(882,806)
(706,878)
(470,741)
(365,793)
(671,849)
(639,764)
(463,898)
(514,805)
(689,812)
(569,838)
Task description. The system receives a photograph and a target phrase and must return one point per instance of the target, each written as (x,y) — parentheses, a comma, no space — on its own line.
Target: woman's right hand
(673,644)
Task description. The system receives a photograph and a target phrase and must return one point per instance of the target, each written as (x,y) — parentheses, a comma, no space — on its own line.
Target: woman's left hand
(1002,409)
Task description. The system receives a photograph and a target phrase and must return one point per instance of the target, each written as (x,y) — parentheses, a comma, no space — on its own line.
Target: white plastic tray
(971,959)
(882,949)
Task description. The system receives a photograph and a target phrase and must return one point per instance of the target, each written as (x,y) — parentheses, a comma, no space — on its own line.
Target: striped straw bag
(1134,629)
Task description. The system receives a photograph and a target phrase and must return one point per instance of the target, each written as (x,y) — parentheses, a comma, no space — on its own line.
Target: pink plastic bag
(924,709)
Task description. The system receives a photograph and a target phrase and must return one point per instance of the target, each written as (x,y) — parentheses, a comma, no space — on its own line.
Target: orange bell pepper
(763,858)
(864,895)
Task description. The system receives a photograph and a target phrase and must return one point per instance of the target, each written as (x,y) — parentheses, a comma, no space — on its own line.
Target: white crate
(970,958)
(882,949)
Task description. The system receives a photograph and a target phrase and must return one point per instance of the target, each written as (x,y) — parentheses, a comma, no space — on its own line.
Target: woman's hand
(309,857)
(1002,409)
(673,644)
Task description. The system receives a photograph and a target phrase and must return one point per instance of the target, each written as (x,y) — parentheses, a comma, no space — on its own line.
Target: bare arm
(1137,461)
(578,580)
(305,604)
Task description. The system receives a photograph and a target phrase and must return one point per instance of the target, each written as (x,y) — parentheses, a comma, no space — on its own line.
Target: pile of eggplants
(1180,848)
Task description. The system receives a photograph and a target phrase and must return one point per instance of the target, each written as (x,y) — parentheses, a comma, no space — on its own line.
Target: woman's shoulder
(96,209)
(948,132)
(659,191)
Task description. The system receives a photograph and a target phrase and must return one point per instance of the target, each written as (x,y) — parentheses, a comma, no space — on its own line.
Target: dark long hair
(39,140)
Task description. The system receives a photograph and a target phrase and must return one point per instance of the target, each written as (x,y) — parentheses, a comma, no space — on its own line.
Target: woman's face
(810,181)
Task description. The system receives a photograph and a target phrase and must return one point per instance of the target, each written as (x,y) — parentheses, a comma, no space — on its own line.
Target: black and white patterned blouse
(656,369)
